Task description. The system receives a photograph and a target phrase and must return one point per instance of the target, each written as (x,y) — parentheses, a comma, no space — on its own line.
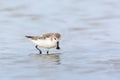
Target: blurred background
(90,43)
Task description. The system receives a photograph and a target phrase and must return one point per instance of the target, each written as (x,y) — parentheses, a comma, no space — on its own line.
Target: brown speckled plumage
(44,36)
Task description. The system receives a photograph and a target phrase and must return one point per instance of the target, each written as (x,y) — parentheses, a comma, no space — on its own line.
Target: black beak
(57,46)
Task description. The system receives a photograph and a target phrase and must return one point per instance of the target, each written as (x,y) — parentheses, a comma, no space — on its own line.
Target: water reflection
(77,29)
(8,9)
(48,58)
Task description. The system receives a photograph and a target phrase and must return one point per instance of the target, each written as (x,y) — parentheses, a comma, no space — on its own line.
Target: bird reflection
(49,58)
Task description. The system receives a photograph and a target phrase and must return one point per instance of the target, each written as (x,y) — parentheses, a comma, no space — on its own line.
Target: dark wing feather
(35,37)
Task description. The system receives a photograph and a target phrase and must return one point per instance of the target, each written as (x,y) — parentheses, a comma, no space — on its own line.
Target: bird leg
(40,52)
(47,51)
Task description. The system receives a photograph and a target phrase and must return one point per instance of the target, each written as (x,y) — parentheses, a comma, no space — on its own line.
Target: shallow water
(90,44)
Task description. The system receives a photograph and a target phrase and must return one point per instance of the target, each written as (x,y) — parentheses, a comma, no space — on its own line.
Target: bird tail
(29,37)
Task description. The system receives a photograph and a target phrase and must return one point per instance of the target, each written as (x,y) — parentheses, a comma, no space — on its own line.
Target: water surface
(90,44)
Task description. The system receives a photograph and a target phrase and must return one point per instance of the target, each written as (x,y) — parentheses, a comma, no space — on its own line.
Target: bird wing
(35,37)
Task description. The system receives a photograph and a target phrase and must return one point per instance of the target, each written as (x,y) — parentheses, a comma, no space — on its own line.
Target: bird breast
(45,43)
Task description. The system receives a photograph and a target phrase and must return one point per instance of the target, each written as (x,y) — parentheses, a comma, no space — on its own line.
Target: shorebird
(48,41)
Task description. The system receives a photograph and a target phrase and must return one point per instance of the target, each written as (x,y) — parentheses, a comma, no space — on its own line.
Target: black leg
(47,51)
(38,49)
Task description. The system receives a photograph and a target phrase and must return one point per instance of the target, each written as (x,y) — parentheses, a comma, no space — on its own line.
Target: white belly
(45,43)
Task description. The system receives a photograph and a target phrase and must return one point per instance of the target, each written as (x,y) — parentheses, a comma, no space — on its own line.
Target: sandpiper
(48,40)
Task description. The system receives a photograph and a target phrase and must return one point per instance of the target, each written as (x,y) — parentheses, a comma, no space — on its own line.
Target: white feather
(47,43)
